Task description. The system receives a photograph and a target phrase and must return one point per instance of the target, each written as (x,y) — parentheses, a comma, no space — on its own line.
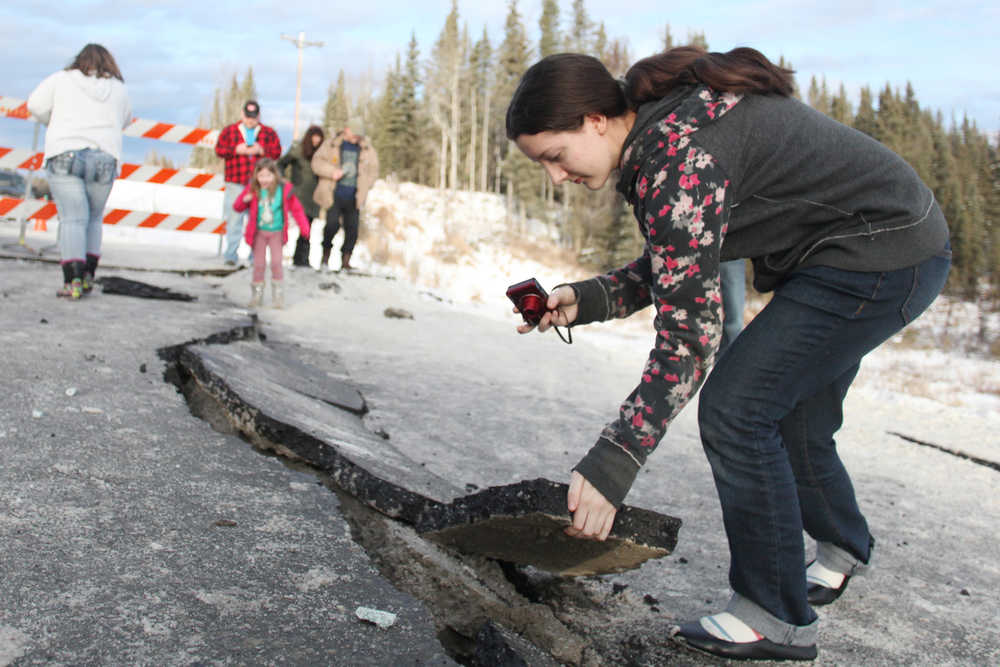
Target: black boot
(72,280)
(301,255)
(89,271)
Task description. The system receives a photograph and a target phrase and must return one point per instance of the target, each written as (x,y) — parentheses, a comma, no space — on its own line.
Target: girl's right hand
(593,515)
(562,310)
(248,198)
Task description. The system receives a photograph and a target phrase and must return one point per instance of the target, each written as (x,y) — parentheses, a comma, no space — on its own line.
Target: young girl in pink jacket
(270,200)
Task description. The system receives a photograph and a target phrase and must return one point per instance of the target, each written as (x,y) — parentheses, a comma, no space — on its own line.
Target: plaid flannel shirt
(239,168)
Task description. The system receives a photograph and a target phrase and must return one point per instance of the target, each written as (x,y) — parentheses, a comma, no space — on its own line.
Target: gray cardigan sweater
(713,177)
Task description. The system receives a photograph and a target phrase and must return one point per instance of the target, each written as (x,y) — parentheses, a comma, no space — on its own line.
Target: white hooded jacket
(81,112)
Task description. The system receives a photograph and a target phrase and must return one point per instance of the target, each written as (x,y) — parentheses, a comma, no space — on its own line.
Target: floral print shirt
(678,193)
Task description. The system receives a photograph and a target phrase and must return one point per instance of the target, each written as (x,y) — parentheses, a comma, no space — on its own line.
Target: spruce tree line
(956,159)
(958,162)
(439,121)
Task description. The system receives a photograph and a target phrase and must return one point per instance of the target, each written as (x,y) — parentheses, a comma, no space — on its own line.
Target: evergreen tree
(336,111)
(840,107)
(513,57)
(916,142)
(157,160)
(413,130)
(819,96)
(890,119)
(697,39)
(579,39)
(387,127)
(601,43)
(787,65)
(618,58)
(469,116)
(969,228)
(549,40)
(481,84)
(248,89)
(668,39)
(865,119)
(442,96)
(232,110)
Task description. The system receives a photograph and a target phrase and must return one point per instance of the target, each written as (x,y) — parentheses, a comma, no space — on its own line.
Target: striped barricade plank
(13,107)
(39,209)
(178,134)
(16,158)
(29,209)
(19,158)
(188,178)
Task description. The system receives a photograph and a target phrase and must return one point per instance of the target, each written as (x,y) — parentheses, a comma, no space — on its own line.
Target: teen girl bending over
(719,162)
(271,200)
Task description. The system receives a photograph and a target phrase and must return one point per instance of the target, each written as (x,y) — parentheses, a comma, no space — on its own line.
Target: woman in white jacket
(85,107)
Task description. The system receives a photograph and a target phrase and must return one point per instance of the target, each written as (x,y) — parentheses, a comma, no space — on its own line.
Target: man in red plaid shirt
(240,144)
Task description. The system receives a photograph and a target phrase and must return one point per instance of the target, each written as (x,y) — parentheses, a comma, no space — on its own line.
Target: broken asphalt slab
(524,523)
(278,402)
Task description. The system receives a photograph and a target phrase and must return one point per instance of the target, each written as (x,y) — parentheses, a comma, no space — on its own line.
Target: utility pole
(300,42)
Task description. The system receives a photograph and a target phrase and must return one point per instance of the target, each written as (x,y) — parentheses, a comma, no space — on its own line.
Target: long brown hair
(95,60)
(272,166)
(742,70)
(307,145)
(557,92)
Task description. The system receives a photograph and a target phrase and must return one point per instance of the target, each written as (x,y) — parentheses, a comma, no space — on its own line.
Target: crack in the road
(954,452)
(483,608)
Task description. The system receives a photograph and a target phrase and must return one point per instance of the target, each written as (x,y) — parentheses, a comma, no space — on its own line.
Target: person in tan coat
(347,166)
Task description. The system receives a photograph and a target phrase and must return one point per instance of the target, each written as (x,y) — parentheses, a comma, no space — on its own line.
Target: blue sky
(174,54)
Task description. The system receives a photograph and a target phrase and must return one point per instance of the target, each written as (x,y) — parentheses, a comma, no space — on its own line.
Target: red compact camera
(530,300)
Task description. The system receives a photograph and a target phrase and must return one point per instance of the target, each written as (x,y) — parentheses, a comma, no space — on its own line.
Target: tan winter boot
(324,266)
(256,295)
(345,261)
(277,294)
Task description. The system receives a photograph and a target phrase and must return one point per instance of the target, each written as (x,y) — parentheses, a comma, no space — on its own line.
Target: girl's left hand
(248,198)
(593,515)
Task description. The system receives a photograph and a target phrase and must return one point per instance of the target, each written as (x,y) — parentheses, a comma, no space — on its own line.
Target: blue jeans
(234,222)
(732,275)
(768,414)
(80,182)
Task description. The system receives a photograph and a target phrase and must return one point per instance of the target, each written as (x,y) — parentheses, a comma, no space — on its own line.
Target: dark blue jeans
(768,413)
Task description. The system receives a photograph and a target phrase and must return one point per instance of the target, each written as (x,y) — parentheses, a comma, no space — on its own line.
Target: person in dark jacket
(296,165)
(720,162)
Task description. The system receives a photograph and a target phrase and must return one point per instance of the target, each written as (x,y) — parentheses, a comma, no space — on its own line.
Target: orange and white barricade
(12,107)
(41,211)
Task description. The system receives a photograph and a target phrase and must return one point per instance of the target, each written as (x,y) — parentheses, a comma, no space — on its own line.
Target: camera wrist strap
(569,333)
